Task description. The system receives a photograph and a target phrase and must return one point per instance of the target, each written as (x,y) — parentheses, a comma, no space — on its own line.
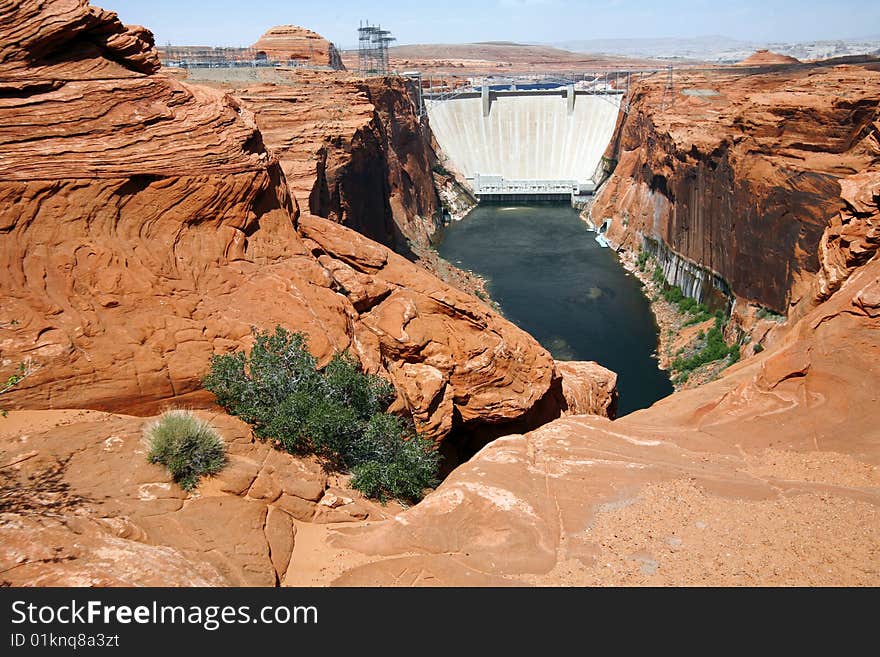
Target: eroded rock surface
(81,506)
(768,476)
(353,150)
(743,173)
(146,228)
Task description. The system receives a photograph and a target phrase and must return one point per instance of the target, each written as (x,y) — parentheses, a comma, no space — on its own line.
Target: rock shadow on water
(559,348)
(551,278)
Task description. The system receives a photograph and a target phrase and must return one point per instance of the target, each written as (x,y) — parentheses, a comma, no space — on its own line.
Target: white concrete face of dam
(526,136)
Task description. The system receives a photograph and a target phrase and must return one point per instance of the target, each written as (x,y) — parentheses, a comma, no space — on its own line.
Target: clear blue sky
(240,22)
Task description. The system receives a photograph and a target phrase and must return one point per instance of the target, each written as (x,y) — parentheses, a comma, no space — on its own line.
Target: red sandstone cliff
(132,252)
(354,151)
(145,227)
(291,43)
(769,476)
(744,174)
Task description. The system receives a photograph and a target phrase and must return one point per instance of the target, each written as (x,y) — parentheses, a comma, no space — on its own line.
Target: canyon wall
(146,227)
(353,150)
(743,173)
(769,475)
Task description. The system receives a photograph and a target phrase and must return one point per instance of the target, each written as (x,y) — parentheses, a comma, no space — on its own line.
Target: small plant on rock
(23,371)
(189,447)
(338,413)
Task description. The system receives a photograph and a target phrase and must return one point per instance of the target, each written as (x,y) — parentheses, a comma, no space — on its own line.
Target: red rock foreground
(80,506)
(767,477)
(760,176)
(146,227)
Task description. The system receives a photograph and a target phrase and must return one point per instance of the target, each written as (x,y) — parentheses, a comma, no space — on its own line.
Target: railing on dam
(488,186)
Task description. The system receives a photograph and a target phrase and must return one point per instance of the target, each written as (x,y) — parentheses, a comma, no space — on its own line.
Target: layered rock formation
(770,475)
(291,43)
(741,174)
(354,151)
(146,228)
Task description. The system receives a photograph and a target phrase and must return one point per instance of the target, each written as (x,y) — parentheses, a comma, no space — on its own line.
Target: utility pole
(669,90)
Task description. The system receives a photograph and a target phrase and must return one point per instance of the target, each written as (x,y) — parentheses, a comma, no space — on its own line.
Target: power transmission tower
(373,44)
(669,90)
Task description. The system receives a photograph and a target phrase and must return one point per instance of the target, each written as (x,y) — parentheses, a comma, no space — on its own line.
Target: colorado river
(551,278)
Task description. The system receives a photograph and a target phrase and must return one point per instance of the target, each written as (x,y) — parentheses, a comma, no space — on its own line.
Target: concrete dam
(526,145)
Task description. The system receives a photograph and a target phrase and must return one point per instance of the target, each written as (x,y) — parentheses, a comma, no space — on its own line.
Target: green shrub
(699,317)
(734,354)
(673,294)
(759,348)
(440,169)
(766,313)
(642,261)
(187,446)
(393,461)
(338,413)
(22,371)
(714,349)
(658,276)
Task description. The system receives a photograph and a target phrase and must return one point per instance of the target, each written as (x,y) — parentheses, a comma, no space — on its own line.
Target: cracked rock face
(769,476)
(353,150)
(146,227)
(762,179)
(81,506)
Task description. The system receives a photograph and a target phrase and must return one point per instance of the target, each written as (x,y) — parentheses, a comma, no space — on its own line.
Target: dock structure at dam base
(526,144)
(498,188)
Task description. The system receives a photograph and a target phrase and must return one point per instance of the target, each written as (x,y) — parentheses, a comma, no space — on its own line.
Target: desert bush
(673,294)
(714,349)
(393,461)
(338,413)
(187,446)
(22,371)
(766,313)
(658,277)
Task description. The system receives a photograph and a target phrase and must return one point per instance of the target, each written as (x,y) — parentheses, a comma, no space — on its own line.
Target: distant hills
(717,48)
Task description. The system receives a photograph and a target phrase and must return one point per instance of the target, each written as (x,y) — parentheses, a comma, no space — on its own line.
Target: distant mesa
(766,57)
(294,43)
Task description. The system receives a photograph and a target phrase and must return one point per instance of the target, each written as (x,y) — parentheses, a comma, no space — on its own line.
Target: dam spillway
(525,143)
